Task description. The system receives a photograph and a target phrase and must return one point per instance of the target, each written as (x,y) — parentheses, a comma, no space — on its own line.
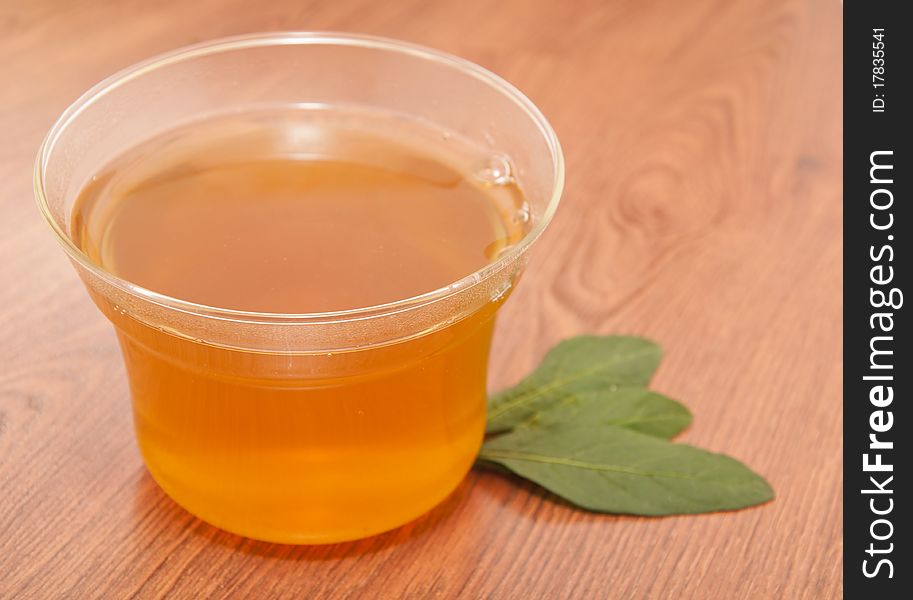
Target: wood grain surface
(702,209)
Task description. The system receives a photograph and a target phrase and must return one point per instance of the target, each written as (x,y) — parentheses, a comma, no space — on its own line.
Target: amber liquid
(300,212)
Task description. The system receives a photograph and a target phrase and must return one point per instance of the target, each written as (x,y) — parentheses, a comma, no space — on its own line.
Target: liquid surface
(301,213)
(272,216)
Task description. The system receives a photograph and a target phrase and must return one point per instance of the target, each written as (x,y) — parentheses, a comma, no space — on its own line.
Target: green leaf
(576,365)
(613,469)
(634,408)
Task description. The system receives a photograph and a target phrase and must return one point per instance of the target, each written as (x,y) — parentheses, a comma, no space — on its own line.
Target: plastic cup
(304,428)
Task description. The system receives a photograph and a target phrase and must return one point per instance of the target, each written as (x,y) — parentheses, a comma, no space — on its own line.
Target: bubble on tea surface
(493,170)
(521,215)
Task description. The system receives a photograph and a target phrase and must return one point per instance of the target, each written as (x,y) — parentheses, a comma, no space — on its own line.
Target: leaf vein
(536,392)
(570,462)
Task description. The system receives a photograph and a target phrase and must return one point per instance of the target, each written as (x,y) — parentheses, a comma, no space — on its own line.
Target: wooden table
(702,209)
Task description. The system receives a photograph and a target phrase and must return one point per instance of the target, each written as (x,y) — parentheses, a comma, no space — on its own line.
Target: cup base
(261,533)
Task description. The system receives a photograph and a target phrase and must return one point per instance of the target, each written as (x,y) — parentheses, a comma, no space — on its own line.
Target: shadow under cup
(304,428)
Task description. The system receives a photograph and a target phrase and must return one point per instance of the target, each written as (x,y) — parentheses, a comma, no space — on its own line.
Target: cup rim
(278,38)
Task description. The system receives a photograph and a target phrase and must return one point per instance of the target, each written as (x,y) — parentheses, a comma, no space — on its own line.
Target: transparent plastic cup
(304,428)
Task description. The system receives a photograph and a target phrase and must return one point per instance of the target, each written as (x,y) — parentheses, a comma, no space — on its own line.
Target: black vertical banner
(878,372)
